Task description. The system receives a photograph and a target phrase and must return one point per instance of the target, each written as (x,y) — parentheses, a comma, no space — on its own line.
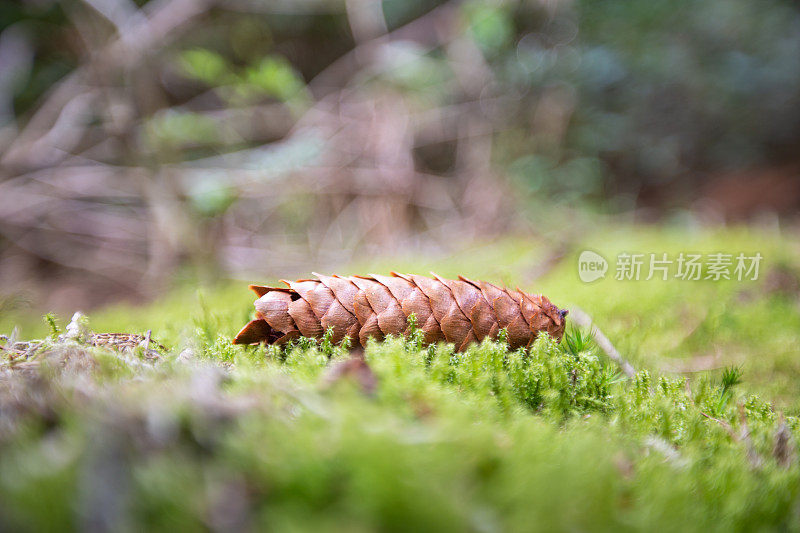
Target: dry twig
(585,321)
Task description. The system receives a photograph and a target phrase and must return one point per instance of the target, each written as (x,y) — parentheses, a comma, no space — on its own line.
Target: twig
(146,340)
(752,454)
(584,320)
(422,30)
(784,449)
(724,424)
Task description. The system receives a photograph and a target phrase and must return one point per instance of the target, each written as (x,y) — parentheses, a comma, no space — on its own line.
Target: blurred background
(144,142)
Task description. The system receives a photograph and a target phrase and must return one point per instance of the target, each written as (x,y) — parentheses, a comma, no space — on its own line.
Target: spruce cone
(360,307)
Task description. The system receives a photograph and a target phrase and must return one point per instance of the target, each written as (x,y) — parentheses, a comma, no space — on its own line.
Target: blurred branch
(366,19)
(426,31)
(38,144)
(131,167)
(123,14)
(283,7)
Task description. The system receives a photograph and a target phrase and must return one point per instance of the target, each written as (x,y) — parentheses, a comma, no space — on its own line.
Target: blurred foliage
(174,129)
(206,66)
(649,92)
(261,136)
(273,75)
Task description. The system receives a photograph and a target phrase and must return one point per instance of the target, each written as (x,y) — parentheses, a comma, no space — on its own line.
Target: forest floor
(204,434)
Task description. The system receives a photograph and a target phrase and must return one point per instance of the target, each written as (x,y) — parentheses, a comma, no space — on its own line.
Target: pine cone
(461,312)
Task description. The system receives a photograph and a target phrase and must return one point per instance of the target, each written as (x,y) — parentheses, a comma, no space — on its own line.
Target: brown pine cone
(461,312)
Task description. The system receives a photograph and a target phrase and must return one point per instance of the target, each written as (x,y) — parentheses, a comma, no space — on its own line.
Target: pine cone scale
(340,320)
(391,318)
(362,307)
(343,290)
(274,308)
(399,287)
(439,298)
(472,304)
(420,305)
(503,307)
(375,293)
(305,319)
(507,307)
(456,325)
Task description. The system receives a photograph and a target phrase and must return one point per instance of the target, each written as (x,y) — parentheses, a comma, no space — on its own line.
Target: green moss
(490,439)
(547,439)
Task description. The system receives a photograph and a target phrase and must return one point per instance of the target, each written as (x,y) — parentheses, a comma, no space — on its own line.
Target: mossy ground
(488,440)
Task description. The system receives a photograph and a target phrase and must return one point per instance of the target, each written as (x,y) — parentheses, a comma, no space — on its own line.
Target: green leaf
(275,76)
(490,26)
(204,65)
(176,128)
(211,195)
